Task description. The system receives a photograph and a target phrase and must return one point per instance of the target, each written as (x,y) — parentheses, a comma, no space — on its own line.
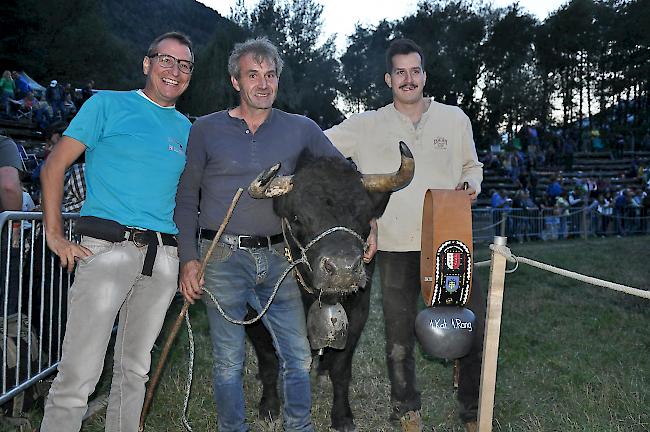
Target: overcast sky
(340,16)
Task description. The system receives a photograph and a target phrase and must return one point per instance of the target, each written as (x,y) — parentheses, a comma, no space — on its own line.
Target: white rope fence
(501,254)
(487,227)
(507,253)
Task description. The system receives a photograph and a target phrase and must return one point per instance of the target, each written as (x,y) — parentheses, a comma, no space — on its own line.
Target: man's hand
(52,175)
(67,251)
(467,188)
(372,242)
(190,285)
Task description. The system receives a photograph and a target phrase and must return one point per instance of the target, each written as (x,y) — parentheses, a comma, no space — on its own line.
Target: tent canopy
(36,87)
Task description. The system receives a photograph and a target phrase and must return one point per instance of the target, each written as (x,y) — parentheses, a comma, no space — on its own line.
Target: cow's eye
(295,221)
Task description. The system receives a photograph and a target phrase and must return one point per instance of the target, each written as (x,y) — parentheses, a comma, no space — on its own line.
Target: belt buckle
(239,246)
(134,237)
(258,245)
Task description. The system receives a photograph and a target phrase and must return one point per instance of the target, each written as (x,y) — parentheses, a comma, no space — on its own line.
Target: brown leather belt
(446,253)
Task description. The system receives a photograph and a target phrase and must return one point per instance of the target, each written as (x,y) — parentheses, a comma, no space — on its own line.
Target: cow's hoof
(269,408)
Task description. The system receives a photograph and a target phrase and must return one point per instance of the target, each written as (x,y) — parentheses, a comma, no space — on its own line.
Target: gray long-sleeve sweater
(223,155)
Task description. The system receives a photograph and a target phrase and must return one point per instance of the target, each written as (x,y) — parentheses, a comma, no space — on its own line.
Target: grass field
(573,357)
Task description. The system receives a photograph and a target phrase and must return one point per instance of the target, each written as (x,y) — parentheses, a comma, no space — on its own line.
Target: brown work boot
(411,422)
(471,427)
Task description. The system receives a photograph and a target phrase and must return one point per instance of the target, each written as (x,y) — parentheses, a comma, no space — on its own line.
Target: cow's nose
(338,265)
(329,265)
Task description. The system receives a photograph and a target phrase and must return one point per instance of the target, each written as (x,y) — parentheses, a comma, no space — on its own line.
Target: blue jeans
(239,276)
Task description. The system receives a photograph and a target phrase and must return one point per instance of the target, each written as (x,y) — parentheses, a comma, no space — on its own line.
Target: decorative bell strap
(446,253)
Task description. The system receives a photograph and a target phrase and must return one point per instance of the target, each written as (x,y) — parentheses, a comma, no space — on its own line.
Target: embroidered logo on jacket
(440,143)
(175,146)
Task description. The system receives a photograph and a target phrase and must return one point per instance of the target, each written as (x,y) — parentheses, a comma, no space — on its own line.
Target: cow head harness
(291,239)
(327,324)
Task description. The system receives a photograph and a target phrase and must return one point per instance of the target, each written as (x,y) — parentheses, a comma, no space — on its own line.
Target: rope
(302,260)
(303,250)
(292,265)
(502,252)
(188,383)
(289,254)
(268,303)
(505,251)
(487,227)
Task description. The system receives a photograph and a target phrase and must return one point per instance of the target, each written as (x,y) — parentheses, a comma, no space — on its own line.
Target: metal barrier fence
(33,292)
(554,224)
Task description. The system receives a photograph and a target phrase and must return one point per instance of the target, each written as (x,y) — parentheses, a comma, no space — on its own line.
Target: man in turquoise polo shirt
(127,261)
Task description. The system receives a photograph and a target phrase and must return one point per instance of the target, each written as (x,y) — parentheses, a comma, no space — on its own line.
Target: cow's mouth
(336,271)
(342,283)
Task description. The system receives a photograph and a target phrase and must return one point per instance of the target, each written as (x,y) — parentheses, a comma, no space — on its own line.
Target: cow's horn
(395,181)
(267,185)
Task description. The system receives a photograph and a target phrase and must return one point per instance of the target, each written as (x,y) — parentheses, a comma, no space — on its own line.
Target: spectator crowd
(23,98)
(617,206)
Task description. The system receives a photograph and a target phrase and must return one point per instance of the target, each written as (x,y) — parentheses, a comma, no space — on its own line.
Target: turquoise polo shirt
(135,153)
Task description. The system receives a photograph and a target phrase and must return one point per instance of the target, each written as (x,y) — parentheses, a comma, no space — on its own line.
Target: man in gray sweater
(227,150)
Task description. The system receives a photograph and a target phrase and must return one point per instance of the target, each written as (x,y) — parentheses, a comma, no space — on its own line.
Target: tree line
(587,65)
(588,60)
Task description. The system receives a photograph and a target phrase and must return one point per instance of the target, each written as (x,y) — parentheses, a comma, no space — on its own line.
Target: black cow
(326,193)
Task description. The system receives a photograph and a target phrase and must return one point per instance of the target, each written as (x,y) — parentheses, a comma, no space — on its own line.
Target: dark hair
(402,46)
(180,37)
(261,48)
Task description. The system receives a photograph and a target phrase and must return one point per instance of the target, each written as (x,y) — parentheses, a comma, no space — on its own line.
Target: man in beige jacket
(440,137)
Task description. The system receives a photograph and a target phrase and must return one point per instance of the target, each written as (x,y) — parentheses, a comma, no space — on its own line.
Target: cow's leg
(324,366)
(267,366)
(339,363)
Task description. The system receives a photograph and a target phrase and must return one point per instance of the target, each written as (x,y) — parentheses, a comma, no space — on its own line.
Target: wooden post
(491,338)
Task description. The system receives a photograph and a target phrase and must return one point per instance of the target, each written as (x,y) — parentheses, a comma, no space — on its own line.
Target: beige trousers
(107,283)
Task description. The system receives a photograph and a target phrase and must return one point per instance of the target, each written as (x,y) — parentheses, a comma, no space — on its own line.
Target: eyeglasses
(166,61)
